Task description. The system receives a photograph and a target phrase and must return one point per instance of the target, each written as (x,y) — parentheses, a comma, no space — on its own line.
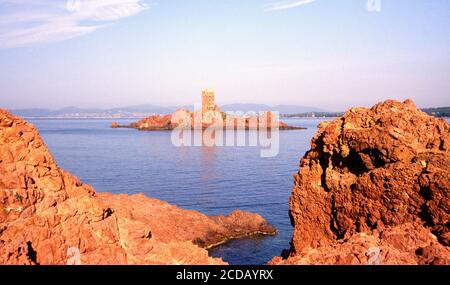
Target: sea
(211,180)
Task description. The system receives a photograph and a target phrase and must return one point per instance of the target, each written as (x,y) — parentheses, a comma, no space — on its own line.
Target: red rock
(407,244)
(154,123)
(47,215)
(215,119)
(373,171)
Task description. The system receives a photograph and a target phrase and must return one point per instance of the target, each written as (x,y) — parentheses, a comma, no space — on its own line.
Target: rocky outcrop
(170,223)
(154,123)
(407,244)
(48,216)
(198,120)
(376,178)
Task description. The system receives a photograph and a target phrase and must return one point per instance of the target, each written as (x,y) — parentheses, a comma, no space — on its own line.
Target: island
(210,116)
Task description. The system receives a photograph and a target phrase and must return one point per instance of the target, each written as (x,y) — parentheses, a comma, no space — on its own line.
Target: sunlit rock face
(375,178)
(48,216)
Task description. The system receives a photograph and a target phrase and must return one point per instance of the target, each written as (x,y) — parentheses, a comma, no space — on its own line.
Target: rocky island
(170,122)
(209,116)
(48,216)
(374,189)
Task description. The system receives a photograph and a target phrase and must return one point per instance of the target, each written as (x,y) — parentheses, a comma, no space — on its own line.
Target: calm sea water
(212,180)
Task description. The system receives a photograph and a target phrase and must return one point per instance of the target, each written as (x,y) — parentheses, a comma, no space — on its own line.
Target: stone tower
(208,103)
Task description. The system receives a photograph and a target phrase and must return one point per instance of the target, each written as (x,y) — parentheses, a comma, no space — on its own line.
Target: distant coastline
(130,113)
(146,110)
(440,112)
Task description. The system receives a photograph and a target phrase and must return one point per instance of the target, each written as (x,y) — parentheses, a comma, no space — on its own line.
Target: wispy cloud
(283,5)
(25,23)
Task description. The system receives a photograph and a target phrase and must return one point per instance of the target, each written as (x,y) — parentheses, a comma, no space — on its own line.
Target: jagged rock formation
(378,178)
(407,244)
(154,123)
(198,120)
(47,215)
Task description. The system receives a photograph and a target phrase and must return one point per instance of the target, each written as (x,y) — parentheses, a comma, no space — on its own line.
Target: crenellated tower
(208,100)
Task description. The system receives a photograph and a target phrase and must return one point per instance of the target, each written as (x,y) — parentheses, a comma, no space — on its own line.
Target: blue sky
(324,53)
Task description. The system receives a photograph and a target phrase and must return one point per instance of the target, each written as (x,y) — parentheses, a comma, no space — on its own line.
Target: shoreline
(288,128)
(42,200)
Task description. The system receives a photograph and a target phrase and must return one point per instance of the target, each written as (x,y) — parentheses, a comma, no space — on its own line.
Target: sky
(322,53)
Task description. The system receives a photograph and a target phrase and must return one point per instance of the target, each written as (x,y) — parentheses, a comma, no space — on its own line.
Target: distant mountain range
(75,112)
(282,109)
(438,112)
(139,111)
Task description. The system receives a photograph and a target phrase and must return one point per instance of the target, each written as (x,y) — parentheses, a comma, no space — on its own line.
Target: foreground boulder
(375,180)
(48,216)
(407,244)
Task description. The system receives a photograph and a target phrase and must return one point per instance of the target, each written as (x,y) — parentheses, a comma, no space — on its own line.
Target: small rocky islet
(373,189)
(211,119)
(209,116)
